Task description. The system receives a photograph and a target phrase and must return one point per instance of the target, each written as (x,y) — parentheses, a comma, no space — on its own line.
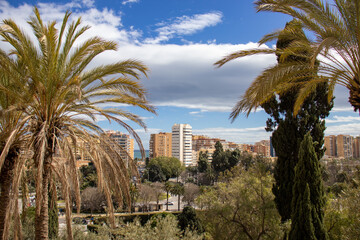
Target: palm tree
(335,29)
(67,96)
(12,138)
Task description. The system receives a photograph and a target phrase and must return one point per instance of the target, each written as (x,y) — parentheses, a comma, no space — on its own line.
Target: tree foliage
(203,162)
(188,220)
(333,26)
(59,97)
(242,207)
(92,200)
(191,191)
(161,169)
(289,130)
(307,218)
(166,228)
(224,160)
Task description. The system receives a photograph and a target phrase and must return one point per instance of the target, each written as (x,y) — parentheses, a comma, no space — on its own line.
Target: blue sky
(179,40)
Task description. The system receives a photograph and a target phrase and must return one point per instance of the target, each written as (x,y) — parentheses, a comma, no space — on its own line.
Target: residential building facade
(123,144)
(182,143)
(160,145)
(341,146)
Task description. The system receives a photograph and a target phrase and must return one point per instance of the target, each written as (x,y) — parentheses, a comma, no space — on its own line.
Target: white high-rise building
(182,143)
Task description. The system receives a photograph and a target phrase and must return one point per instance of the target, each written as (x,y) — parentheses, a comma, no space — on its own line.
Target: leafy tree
(161,169)
(166,228)
(224,160)
(191,191)
(155,173)
(89,176)
(242,207)
(188,220)
(92,199)
(350,203)
(62,86)
(203,162)
(158,191)
(308,195)
(146,195)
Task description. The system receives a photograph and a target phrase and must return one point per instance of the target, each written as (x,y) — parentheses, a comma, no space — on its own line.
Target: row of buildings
(120,142)
(185,146)
(342,146)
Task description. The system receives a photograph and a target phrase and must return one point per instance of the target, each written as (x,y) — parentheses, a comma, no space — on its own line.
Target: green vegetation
(161,169)
(289,130)
(308,196)
(203,163)
(224,160)
(56,95)
(241,207)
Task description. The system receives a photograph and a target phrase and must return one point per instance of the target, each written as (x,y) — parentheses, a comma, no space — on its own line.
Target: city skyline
(179,41)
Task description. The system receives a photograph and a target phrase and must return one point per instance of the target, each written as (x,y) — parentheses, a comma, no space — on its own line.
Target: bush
(188,220)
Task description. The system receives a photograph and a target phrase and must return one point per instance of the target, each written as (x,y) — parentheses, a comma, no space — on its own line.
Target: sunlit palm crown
(334,32)
(60,97)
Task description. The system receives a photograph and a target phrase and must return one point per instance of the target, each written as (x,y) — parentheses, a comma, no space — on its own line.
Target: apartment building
(356,147)
(263,148)
(340,146)
(182,143)
(122,143)
(160,145)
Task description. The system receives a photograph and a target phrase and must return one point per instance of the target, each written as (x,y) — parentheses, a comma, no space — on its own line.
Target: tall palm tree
(335,30)
(12,136)
(67,96)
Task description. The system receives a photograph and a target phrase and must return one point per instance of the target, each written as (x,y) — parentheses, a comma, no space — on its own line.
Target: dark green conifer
(203,162)
(301,225)
(289,130)
(308,195)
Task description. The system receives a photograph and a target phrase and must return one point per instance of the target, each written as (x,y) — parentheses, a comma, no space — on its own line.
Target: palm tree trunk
(6,177)
(167,200)
(179,202)
(42,219)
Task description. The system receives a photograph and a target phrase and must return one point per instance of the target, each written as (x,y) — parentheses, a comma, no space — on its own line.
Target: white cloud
(238,135)
(341,119)
(130,1)
(185,25)
(352,129)
(180,75)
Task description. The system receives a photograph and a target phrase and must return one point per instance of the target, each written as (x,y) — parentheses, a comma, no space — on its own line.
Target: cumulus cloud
(184,75)
(185,25)
(180,75)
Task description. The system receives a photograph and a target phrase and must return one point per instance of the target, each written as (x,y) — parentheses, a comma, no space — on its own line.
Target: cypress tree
(301,225)
(203,162)
(289,130)
(308,195)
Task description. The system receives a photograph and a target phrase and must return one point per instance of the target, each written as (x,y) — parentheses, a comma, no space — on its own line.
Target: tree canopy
(161,169)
